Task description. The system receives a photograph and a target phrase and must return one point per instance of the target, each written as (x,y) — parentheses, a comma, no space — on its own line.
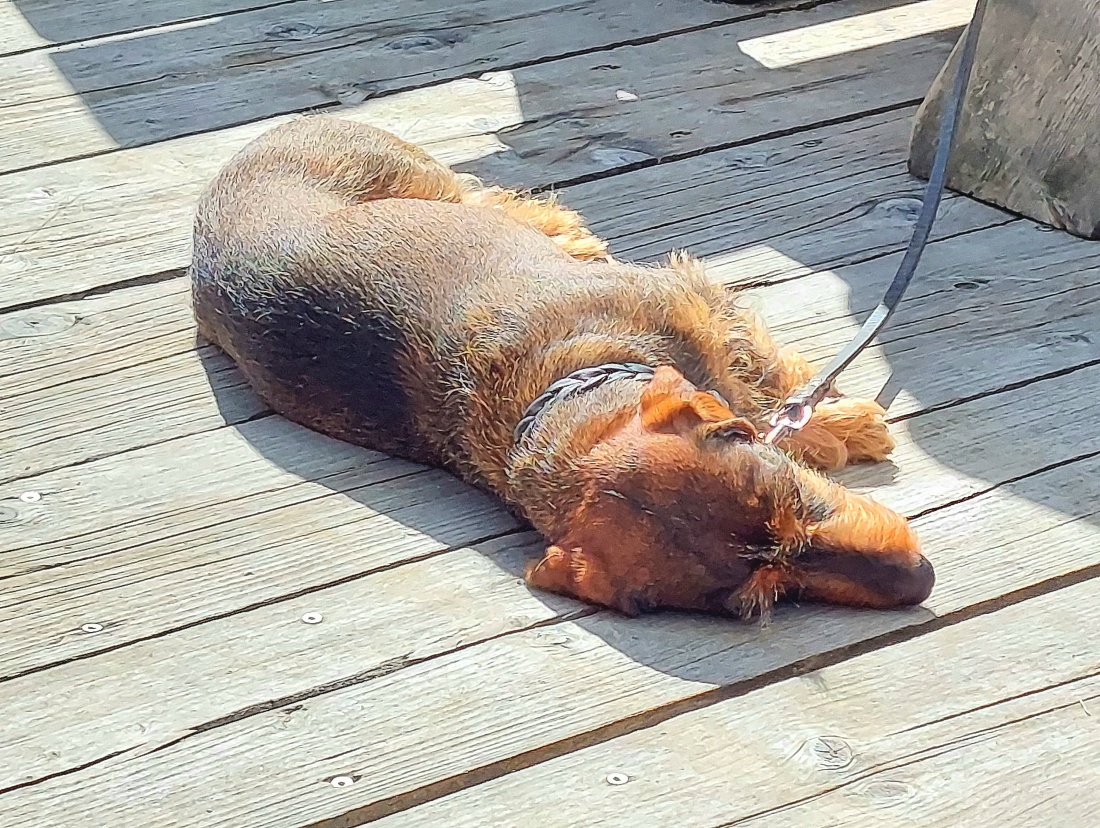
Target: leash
(797,410)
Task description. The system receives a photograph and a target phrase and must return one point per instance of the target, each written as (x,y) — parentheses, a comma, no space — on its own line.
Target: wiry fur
(368,292)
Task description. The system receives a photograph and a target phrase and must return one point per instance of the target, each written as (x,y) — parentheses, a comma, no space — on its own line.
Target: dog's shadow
(708,651)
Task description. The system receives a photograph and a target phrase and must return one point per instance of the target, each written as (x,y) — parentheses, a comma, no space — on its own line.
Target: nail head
(341,781)
(30,497)
(313,618)
(617,779)
(92,628)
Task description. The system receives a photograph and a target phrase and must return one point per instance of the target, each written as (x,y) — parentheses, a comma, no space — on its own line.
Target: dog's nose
(915,586)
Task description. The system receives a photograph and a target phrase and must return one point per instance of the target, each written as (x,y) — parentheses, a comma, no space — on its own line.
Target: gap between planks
(842,745)
(507,127)
(681,644)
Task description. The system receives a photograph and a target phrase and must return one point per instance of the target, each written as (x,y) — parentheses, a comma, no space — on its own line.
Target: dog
(370,293)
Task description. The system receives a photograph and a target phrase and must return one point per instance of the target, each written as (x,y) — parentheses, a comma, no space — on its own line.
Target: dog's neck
(545,468)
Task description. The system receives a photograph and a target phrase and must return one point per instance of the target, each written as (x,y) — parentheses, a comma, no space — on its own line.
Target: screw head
(312,618)
(341,781)
(91,628)
(617,778)
(30,497)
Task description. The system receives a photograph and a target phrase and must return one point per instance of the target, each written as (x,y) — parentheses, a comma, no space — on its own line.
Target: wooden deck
(162,535)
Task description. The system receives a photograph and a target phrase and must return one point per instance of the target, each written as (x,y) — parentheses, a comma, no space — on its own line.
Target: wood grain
(131,350)
(532,127)
(159,690)
(32,24)
(988,722)
(1025,134)
(987,310)
(230,519)
(128,215)
(98,95)
(441,719)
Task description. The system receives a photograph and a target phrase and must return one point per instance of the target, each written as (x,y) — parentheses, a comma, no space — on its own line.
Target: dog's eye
(737,431)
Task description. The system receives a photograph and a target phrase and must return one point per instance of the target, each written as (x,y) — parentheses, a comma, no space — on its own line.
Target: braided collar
(584,380)
(576,383)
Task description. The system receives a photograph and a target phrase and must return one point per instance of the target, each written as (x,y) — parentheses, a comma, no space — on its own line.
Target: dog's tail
(564,226)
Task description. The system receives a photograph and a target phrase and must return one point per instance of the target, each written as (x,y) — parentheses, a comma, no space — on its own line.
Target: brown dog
(368,292)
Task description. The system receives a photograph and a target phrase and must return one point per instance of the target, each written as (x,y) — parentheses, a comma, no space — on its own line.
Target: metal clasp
(792,417)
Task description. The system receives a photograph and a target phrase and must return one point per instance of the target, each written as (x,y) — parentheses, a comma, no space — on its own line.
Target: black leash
(798,409)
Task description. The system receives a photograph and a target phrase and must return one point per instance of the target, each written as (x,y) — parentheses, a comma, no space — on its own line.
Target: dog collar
(576,383)
(585,380)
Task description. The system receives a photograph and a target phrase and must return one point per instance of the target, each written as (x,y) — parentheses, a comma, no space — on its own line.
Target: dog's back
(336,266)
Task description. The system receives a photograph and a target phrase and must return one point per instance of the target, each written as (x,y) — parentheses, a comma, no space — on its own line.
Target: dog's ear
(606,556)
(672,405)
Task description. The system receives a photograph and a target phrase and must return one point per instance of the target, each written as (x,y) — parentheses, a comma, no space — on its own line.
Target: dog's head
(686,507)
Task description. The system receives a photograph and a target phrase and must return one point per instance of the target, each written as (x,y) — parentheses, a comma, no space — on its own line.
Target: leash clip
(792,417)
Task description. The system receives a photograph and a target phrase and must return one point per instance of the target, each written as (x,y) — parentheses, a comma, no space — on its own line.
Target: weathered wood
(179,80)
(825,198)
(434,722)
(32,24)
(132,211)
(130,350)
(196,691)
(220,521)
(1026,136)
(988,722)
(141,200)
(982,303)
(159,690)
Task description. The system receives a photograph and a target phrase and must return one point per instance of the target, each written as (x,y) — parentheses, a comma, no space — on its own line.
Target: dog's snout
(876,580)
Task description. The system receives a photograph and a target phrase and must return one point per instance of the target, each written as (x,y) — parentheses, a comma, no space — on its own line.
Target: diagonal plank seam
(192,509)
(659,715)
(277,599)
(802,5)
(386,668)
(924,754)
(775,134)
(124,31)
(1003,389)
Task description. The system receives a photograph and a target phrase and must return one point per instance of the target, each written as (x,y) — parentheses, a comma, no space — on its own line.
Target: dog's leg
(564,226)
(842,430)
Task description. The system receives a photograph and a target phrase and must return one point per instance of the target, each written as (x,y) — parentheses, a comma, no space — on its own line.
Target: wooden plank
(105,589)
(1008,738)
(32,24)
(264,511)
(128,215)
(435,723)
(1024,139)
(133,207)
(999,305)
(825,198)
(130,350)
(413,613)
(162,83)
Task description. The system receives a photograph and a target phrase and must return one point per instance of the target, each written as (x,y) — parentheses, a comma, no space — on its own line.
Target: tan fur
(369,292)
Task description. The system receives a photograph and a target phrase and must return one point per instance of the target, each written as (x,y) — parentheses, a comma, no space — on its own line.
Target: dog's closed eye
(733,431)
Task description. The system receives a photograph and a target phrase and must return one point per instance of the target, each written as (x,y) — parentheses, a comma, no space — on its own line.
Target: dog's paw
(860,425)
